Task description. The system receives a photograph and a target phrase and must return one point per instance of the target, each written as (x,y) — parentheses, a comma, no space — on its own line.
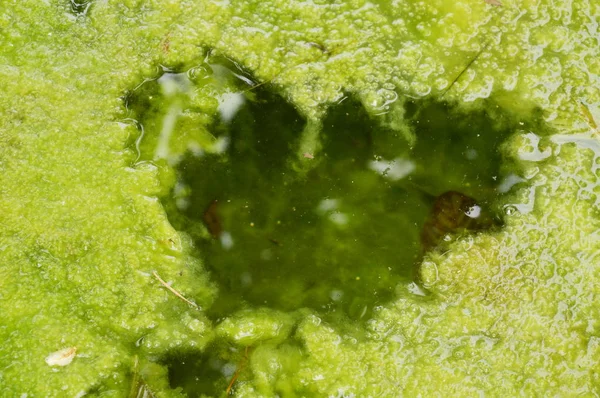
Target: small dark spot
(318,46)
(80,7)
(212,220)
(275,242)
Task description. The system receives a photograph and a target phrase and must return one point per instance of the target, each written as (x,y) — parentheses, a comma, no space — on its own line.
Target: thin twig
(136,379)
(271,80)
(239,369)
(175,292)
(465,69)
(230,386)
(281,72)
(585,111)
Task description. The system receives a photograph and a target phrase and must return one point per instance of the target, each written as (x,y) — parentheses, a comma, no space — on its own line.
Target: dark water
(338,238)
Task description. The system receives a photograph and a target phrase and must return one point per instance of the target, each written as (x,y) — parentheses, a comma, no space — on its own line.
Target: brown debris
(166,44)
(275,242)
(450,214)
(212,220)
(318,46)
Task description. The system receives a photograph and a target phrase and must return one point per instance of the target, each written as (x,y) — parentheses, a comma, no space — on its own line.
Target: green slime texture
(92,211)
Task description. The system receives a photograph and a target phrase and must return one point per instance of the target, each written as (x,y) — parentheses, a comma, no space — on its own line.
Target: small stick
(175,292)
(135,381)
(230,386)
(281,72)
(465,69)
(275,242)
(585,111)
(241,367)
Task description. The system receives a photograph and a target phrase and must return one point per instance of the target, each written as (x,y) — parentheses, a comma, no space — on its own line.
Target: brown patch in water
(452,213)
(212,220)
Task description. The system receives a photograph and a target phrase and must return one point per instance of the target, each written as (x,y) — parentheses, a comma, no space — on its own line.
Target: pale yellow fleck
(61,357)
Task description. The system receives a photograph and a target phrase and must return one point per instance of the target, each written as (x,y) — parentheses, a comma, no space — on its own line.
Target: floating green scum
(212,198)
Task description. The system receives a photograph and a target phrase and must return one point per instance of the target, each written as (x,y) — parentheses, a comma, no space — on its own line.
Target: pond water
(337,237)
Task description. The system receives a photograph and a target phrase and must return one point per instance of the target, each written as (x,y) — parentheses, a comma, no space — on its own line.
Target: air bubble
(198,72)
(471,154)
(473,212)
(336,295)
(509,210)
(420,89)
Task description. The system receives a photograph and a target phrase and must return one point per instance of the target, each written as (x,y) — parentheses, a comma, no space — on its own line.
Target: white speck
(62,357)
(182,203)
(336,295)
(168,125)
(393,170)
(220,145)
(246,279)
(173,83)
(473,212)
(471,154)
(229,105)
(196,149)
(339,218)
(508,182)
(228,369)
(226,240)
(327,205)
(415,289)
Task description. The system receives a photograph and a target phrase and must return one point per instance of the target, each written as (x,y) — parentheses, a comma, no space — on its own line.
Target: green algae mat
(299,198)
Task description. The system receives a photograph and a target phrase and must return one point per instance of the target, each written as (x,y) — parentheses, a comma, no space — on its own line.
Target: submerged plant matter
(119,129)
